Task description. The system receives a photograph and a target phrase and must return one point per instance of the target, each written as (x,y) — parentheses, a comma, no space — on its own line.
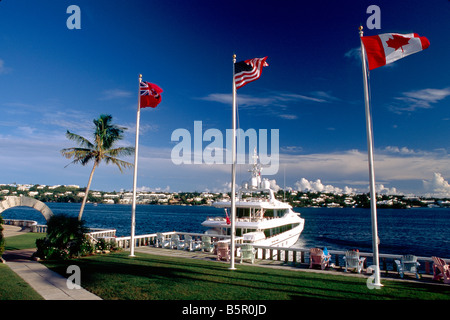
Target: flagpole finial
(140,76)
(361,30)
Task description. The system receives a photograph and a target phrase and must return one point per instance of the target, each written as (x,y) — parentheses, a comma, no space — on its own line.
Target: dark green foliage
(103,245)
(65,239)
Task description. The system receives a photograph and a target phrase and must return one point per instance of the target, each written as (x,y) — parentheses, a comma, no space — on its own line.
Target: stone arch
(11,202)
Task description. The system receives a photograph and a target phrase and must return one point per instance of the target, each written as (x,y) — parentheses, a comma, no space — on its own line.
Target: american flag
(248,71)
(150,94)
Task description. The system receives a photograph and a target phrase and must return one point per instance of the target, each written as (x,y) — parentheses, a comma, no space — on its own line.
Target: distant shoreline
(299,199)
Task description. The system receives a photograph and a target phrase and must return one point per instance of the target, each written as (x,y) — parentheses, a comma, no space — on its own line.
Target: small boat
(260,218)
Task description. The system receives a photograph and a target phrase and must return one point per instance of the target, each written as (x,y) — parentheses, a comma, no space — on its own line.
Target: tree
(106,135)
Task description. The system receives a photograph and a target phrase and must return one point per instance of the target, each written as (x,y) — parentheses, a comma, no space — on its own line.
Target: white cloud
(291,149)
(402,150)
(315,97)
(279,99)
(3,69)
(115,93)
(317,186)
(399,170)
(354,54)
(155,189)
(274,186)
(243,100)
(348,190)
(381,189)
(437,186)
(420,99)
(288,116)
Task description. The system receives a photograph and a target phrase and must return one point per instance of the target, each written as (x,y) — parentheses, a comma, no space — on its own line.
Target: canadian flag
(389,47)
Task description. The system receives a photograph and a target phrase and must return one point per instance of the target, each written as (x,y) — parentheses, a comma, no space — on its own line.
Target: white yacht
(260,218)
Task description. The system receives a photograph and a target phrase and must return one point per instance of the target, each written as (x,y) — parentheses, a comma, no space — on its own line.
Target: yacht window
(268,213)
(242,212)
(274,231)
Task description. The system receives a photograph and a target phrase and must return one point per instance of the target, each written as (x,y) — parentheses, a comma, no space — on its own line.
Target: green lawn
(116,276)
(23,241)
(152,277)
(12,287)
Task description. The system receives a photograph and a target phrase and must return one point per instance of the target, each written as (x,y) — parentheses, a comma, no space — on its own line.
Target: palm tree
(105,136)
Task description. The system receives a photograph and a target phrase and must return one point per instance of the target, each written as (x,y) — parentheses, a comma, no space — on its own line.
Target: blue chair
(408,263)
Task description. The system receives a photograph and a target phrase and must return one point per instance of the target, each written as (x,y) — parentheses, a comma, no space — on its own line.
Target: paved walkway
(9,231)
(49,284)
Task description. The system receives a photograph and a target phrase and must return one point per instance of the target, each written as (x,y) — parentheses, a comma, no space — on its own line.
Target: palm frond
(75,152)
(107,134)
(80,155)
(119,163)
(121,151)
(82,142)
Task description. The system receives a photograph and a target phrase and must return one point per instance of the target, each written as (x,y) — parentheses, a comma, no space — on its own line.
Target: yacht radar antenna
(256,168)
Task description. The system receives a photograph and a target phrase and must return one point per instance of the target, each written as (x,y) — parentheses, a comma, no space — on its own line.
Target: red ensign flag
(150,94)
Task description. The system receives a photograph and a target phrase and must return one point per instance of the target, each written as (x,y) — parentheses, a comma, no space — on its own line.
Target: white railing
(284,254)
(150,239)
(289,255)
(94,233)
(97,233)
(19,222)
(301,255)
(34,227)
(39,228)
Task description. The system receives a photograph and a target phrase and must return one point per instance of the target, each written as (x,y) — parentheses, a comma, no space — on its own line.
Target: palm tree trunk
(87,192)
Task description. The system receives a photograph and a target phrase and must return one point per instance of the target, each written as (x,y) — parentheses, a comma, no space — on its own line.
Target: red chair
(317,257)
(441,270)
(223,251)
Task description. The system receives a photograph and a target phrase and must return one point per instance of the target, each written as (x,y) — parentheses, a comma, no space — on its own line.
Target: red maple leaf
(397,42)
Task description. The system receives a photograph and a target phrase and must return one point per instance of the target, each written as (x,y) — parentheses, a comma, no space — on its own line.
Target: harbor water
(418,231)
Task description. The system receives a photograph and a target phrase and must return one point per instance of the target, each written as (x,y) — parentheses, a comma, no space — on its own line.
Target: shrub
(65,239)
(103,244)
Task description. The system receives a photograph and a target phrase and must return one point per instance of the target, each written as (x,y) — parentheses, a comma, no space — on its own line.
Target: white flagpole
(373,197)
(233,176)
(133,207)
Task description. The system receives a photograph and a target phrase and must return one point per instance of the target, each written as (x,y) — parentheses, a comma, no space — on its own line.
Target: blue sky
(53,79)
